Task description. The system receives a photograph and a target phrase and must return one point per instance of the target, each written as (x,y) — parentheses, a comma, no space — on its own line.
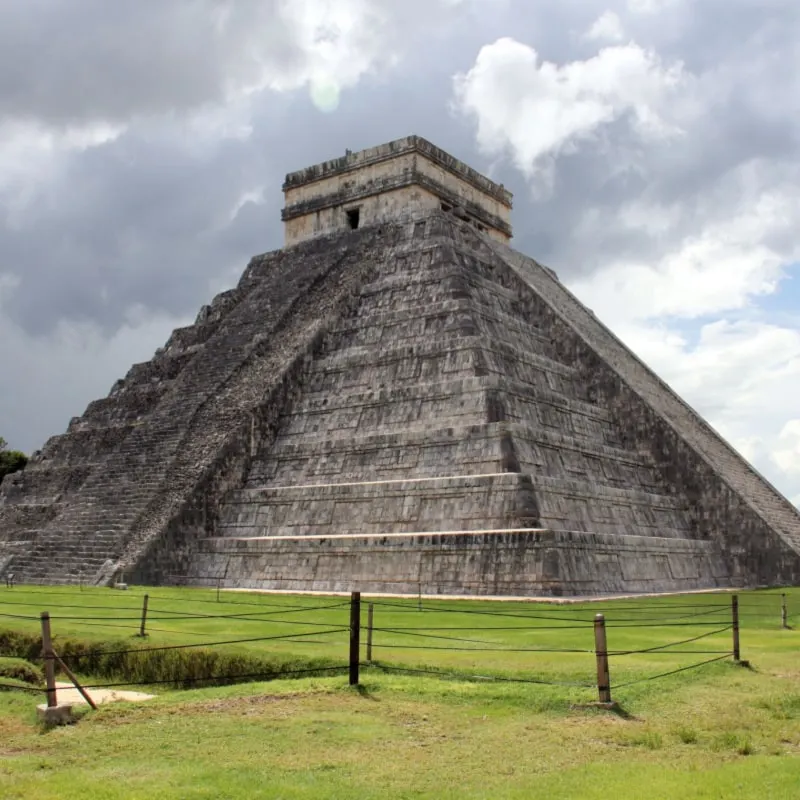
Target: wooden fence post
(355,636)
(144,616)
(784,614)
(49,661)
(601,653)
(370,612)
(735,625)
(68,672)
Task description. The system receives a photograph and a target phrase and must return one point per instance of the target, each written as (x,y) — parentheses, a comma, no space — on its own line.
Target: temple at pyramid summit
(396,402)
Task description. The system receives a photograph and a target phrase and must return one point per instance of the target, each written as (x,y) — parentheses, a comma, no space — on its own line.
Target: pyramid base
(513,562)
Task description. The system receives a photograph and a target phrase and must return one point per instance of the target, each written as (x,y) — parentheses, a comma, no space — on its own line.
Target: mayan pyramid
(396,402)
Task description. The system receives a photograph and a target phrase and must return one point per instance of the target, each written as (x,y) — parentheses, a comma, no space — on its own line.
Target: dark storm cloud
(145,220)
(130,223)
(141,220)
(68,61)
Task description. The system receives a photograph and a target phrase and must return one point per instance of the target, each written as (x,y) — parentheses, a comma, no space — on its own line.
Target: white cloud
(537,109)
(606,28)
(725,267)
(787,452)
(650,6)
(688,302)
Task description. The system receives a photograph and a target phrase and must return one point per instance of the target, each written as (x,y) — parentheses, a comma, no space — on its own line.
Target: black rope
(524,628)
(560,608)
(254,616)
(672,644)
(268,675)
(672,671)
(182,615)
(106,625)
(93,653)
(459,676)
(21,688)
(476,641)
(71,605)
(552,618)
(426,609)
(477,649)
(24,589)
(664,625)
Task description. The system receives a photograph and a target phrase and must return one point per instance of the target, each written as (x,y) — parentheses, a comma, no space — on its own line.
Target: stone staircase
(152,472)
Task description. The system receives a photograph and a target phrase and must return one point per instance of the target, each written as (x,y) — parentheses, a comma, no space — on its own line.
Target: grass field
(507,721)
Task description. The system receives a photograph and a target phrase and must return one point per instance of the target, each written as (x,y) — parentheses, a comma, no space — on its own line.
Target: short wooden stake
(76,683)
(144,616)
(601,653)
(735,625)
(370,612)
(355,636)
(784,614)
(49,661)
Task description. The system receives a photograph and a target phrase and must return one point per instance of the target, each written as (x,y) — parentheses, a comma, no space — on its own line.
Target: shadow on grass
(609,708)
(365,692)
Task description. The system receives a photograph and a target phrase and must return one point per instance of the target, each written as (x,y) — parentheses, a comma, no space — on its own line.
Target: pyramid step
(428,319)
(523,563)
(456,501)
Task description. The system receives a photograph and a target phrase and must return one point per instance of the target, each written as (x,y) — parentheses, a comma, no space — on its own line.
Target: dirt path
(68,694)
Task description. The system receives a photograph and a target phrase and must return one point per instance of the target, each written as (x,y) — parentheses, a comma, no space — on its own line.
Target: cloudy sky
(653,147)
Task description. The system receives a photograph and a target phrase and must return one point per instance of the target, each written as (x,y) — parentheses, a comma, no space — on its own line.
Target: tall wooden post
(735,625)
(784,613)
(144,616)
(355,636)
(601,653)
(49,661)
(370,612)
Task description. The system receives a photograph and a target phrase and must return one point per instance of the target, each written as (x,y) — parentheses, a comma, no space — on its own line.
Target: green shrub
(120,660)
(17,669)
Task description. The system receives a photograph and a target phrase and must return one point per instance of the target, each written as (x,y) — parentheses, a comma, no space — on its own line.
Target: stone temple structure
(397,402)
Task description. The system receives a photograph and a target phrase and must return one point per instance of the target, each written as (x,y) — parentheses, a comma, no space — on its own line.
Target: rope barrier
(550,618)
(268,675)
(20,687)
(672,644)
(477,649)
(664,625)
(94,653)
(172,598)
(459,676)
(672,671)
(473,641)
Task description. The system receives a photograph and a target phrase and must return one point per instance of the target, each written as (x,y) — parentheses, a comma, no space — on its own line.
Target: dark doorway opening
(353,217)
(446,207)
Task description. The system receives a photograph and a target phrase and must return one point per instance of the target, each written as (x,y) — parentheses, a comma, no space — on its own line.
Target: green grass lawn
(718,731)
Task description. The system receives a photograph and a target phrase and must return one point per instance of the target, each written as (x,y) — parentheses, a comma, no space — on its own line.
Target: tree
(10,460)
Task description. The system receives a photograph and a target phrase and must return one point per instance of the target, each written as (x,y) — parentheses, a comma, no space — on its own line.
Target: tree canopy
(10,460)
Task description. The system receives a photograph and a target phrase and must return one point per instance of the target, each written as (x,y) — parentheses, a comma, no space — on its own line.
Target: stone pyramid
(396,402)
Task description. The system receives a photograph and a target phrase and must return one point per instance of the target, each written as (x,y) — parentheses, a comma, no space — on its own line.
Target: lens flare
(324,95)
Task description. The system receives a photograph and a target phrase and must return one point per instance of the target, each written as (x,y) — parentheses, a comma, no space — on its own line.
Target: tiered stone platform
(410,407)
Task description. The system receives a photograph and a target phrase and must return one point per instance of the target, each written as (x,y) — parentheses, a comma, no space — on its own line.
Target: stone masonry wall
(757,529)
(400,408)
